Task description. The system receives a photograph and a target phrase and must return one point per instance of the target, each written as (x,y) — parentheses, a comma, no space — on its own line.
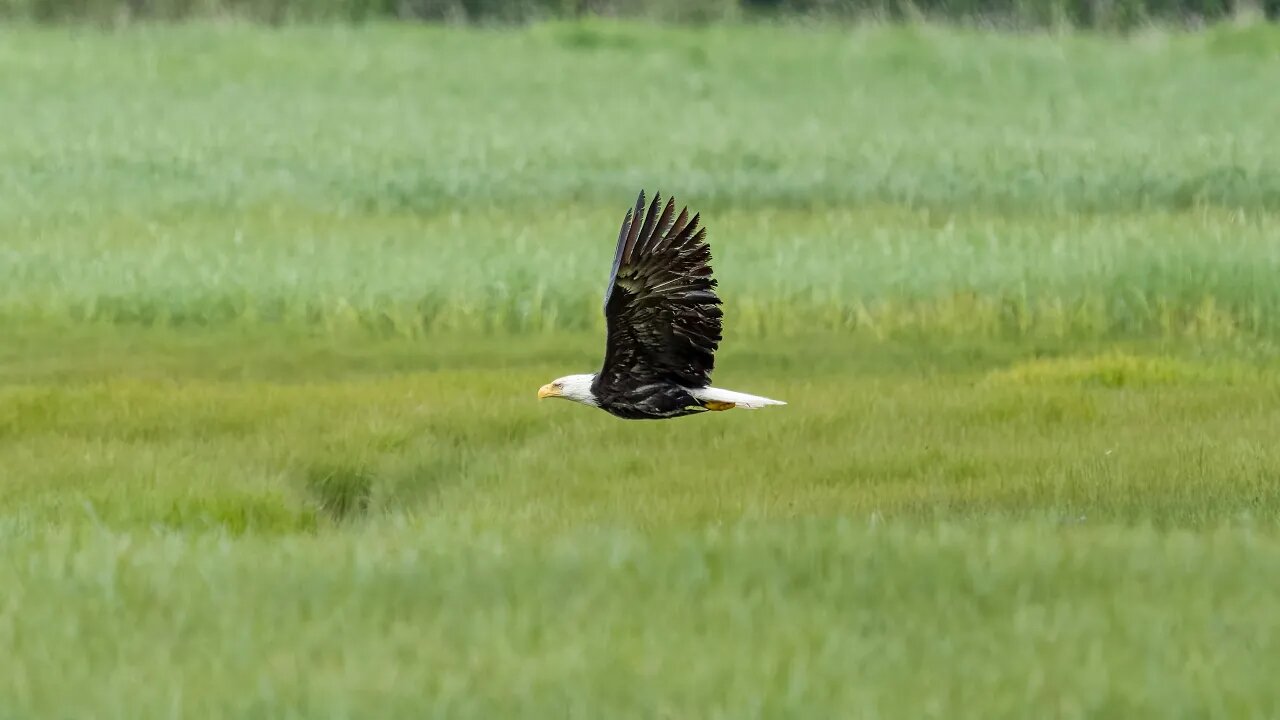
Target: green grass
(412,180)
(274,306)
(802,619)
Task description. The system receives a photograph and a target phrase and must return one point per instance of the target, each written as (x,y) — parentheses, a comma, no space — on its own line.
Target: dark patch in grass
(342,492)
(587,36)
(1261,42)
(1224,187)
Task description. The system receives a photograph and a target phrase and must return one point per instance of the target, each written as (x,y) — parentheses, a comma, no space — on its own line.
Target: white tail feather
(742,400)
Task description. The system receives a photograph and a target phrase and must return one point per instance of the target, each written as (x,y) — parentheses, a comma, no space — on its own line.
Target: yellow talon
(716,405)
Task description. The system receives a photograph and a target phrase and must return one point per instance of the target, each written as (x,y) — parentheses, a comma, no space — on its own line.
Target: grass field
(274,305)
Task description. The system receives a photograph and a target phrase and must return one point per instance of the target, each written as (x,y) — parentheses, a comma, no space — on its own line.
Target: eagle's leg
(716,405)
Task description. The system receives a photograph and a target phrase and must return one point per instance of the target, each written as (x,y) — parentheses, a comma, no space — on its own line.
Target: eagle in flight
(663,319)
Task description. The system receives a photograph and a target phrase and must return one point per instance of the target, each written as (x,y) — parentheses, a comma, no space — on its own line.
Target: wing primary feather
(634,230)
(677,227)
(691,240)
(645,243)
(622,237)
(617,257)
(661,228)
(687,232)
(700,237)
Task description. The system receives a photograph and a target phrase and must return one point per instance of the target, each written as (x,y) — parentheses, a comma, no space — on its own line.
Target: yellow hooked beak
(548,390)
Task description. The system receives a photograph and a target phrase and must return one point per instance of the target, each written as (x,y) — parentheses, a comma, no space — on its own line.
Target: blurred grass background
(1121,15)
(885,180)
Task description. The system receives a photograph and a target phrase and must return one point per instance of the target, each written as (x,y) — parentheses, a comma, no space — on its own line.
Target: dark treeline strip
(1100,14)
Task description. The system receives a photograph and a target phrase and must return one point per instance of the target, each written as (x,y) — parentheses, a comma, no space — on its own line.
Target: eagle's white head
(570,387)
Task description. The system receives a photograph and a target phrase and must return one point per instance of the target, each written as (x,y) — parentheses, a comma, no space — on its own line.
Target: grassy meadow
(274,305)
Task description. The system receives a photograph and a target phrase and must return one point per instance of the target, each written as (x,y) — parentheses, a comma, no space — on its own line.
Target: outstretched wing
(661,309)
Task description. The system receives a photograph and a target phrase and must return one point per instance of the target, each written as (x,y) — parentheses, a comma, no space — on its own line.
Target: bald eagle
(663,321)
